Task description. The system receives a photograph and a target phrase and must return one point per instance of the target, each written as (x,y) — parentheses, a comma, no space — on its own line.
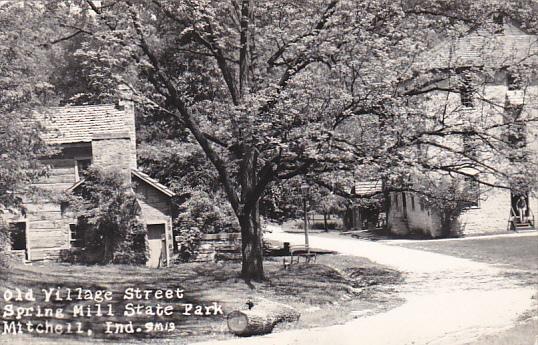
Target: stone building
(484,67)
(99,135)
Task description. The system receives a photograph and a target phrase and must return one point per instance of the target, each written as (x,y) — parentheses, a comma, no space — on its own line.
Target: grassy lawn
(334,290)
(512,252)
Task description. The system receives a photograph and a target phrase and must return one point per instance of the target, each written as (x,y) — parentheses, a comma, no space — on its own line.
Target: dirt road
(450,300)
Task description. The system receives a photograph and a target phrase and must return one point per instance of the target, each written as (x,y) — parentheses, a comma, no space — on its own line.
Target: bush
(448,198)
(72,255)
(331,225)
(201,214)
(206,214)
(108,213)
(188,242)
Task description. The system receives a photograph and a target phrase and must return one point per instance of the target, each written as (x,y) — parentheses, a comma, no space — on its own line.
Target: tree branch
(66,38)
(186,117)
(300,63)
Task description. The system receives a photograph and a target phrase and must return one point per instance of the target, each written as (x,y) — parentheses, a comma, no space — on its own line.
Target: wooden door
(156,233)
(514,199)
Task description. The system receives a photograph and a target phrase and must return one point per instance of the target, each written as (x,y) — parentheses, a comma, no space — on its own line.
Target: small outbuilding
(99,135)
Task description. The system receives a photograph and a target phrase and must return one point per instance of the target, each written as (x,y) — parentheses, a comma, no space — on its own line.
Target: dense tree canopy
(268,91)
(23,88)
(273,90)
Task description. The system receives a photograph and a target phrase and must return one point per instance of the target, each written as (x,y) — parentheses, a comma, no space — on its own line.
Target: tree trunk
(348,218)
(108,250)
(251,232)
(251,247)
(325,221)
(261,319)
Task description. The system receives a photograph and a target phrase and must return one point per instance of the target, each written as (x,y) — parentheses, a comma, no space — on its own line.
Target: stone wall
(414,219)
(112,152)
(491,215)
(219,246)
(127,105)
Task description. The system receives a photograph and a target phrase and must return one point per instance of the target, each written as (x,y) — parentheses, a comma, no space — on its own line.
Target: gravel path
(450,300)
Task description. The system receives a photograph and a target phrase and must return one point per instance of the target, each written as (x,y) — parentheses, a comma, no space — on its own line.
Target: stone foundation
(219,246)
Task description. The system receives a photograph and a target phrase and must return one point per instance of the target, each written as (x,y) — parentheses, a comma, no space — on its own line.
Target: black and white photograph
(278,172)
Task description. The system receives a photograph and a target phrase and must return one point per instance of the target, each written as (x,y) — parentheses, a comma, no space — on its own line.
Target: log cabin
(103,136)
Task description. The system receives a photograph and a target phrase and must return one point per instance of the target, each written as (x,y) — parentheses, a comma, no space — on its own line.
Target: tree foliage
(447,198)
(201,212)
(323,88)
(23,86)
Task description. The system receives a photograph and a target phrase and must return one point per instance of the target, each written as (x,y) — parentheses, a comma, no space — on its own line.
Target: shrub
(72,255)
(448,199)
(108,213)
(331,225)
(188,242)
(201,214)
(206,214)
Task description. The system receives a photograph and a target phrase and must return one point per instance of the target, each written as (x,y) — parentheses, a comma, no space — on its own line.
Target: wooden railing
(512,224)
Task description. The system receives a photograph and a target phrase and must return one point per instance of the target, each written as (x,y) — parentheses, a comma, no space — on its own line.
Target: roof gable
(141,176)
(153,183)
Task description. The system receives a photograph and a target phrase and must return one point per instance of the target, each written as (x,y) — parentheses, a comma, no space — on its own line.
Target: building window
(412,202)
(513,80)
(473,189)
(515,132)
(17,235)
(466,89)
(513,112)
(498,22)
(517,137)
(81,165)
(76,236)
(471,143)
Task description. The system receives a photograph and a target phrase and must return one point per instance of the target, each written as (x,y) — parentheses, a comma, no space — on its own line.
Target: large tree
(277,89)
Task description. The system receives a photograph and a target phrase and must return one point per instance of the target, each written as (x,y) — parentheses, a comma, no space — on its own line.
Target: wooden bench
(296,253)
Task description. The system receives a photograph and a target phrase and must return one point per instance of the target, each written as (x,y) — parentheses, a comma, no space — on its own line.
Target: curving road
(449,301)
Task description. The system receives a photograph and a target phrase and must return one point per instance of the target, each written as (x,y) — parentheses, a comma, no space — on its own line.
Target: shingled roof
(477,51)
(152,182)
(73,124)
(144,177)
(367,188)
(481,48)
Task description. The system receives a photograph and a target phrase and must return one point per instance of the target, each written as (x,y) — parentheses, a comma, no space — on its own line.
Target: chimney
(125,103)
